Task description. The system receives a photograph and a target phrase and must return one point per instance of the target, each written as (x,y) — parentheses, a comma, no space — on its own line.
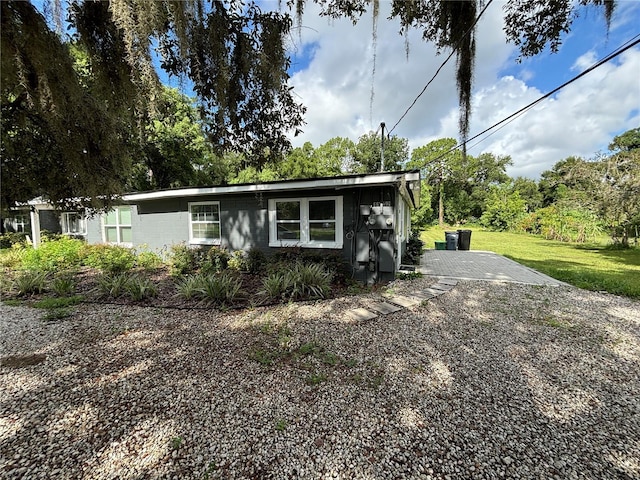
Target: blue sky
(588,33)
(332,74)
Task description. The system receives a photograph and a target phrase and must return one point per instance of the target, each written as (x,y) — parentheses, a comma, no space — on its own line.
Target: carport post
(35,227)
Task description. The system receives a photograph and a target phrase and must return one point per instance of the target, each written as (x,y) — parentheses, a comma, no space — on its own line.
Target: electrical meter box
(380,217)
(387,261)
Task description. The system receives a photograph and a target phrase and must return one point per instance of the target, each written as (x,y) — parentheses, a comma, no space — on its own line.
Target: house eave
(336,183)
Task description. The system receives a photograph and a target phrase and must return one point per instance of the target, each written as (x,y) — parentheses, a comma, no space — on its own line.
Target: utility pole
(382,148)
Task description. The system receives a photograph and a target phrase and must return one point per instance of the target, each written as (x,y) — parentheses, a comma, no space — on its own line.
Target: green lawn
(590,266)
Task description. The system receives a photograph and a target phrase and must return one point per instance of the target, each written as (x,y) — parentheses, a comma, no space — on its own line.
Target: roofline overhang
(337,183)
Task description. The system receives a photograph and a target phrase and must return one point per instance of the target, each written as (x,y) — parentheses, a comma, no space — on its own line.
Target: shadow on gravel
(297,391)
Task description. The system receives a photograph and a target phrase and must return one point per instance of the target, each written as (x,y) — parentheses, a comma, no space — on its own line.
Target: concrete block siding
(158,221)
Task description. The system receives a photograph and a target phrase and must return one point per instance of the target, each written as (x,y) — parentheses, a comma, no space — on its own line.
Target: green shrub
(60,254)
(110,258)
(9,239)
(238,261)
(414,249)
(563,224)
(215,260)
(256,260)
(148,260)
(287,255)
(47,236)
(30,281)
(503,210)
(11,258)
(182,259)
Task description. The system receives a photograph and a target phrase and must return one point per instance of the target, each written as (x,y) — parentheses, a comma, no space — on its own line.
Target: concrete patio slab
(479,265)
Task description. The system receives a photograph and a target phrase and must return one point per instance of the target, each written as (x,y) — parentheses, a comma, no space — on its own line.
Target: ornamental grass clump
(63,283)
(276,285)
(139,288)
(126,284)
(310,281)
(298,281)
(188,287)
(221,289)
(112,285)
(29,282)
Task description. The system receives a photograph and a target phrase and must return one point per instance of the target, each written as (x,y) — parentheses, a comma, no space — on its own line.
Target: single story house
(366,218)
(39,216)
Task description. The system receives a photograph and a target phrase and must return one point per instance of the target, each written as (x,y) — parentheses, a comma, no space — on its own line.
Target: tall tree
(175,151)
(61,137)
(437,163)
(529,192)
(231,50)
(336,155)
(367,153)
(64,140)
(620,193)
(484,171)
(572,181)
(299,163)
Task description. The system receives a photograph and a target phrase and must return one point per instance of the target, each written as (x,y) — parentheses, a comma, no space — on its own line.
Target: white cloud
(336,88)
(579,120)
(584,61)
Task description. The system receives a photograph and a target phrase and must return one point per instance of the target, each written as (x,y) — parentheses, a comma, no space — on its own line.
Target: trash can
(452,240)
(441,245)
(464,239)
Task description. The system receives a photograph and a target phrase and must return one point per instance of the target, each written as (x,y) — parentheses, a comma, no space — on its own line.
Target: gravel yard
(490,380)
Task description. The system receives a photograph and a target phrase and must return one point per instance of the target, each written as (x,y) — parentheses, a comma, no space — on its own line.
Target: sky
(332,72)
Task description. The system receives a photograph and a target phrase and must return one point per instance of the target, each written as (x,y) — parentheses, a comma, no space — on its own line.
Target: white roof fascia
(336,183)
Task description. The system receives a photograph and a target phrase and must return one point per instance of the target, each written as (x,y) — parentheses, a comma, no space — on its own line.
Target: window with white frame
(21,223)
(117,225)
(306,222)
(204,223)
(73,223)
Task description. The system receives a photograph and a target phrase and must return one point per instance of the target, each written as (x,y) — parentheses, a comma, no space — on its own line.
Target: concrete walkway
(451,266)
(479,265)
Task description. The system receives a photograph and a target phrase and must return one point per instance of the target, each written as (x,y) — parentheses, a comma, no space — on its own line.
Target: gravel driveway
(490,380)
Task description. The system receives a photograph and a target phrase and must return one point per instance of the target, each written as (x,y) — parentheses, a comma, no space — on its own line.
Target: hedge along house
(365,218)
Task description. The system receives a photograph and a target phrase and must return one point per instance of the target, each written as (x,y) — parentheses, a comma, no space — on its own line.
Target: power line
(629,44)
(442,66)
